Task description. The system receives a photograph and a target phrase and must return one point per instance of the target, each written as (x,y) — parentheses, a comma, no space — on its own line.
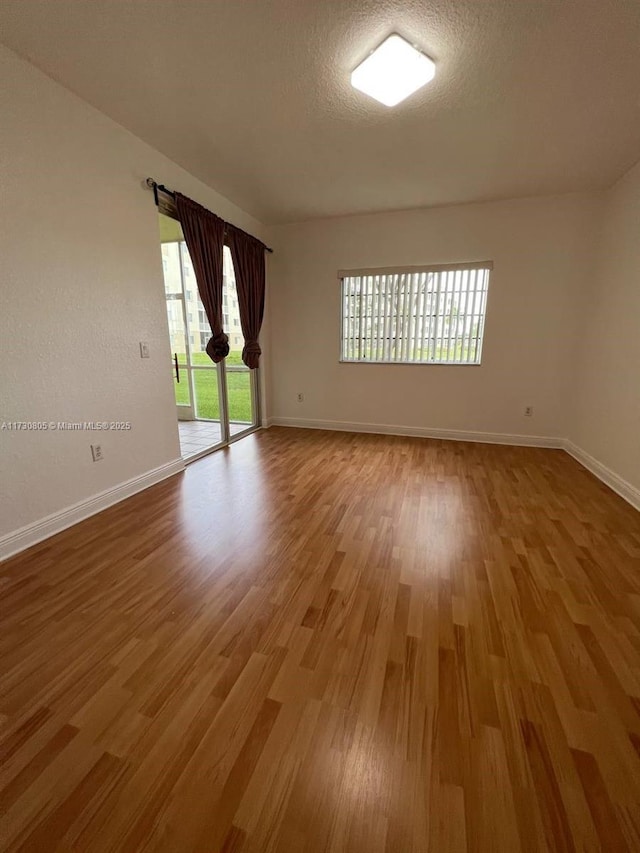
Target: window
(415,315)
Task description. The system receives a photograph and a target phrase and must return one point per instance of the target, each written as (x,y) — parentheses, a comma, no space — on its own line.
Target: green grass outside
(442,354)
(206,389)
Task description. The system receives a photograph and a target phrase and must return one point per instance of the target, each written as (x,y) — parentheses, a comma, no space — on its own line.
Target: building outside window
(173,253)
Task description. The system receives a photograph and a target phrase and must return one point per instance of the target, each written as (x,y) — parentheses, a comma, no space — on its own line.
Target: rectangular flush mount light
(393,71)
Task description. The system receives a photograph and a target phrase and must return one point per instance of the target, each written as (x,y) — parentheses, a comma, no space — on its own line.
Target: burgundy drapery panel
(204,235)
(247,254)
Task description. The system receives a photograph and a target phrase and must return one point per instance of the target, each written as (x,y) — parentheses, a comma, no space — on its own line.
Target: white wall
(81,285)
(606,417)
(542,251)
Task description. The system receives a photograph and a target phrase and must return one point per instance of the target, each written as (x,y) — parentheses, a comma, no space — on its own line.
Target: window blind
(431,315)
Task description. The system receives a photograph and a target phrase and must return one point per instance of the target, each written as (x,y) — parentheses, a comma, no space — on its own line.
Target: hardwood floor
(320,641)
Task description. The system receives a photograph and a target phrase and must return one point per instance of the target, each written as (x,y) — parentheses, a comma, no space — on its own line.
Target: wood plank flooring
(320,641)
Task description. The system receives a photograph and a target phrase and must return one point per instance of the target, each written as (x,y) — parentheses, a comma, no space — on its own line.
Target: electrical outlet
(528,411)
(96,452)
(144,349)
(300,397)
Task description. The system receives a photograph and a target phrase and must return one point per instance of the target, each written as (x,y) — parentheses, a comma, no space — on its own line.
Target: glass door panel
(207,401)
(240,382)
(240,396)
(231,312)
(205,374)
(178,335)
(177,331)
(171,269)
(181,390)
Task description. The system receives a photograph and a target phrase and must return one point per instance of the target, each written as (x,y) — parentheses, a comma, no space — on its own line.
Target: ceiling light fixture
(393,71)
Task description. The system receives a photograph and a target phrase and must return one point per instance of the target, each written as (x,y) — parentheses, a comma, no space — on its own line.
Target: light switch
(144,349)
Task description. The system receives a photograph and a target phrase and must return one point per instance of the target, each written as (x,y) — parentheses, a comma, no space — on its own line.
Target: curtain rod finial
(150,183)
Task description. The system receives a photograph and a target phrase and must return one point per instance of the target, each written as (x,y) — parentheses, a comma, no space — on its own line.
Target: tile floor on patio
(196,436)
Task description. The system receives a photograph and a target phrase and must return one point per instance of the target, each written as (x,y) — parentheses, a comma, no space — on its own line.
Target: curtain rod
(156,187)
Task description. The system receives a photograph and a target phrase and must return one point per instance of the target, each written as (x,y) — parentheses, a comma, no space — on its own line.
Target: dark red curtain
(248,262)
(204,235)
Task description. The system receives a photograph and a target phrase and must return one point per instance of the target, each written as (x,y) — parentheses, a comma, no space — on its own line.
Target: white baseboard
(424,432)
(33,533)
(606,475)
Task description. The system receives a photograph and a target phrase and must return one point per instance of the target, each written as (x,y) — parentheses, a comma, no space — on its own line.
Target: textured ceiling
(253,97)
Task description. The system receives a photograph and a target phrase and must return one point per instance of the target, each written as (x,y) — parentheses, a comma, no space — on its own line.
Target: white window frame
(479,291)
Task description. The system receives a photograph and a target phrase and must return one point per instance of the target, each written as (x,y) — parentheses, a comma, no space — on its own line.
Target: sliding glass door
(240,384)
(215,403)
